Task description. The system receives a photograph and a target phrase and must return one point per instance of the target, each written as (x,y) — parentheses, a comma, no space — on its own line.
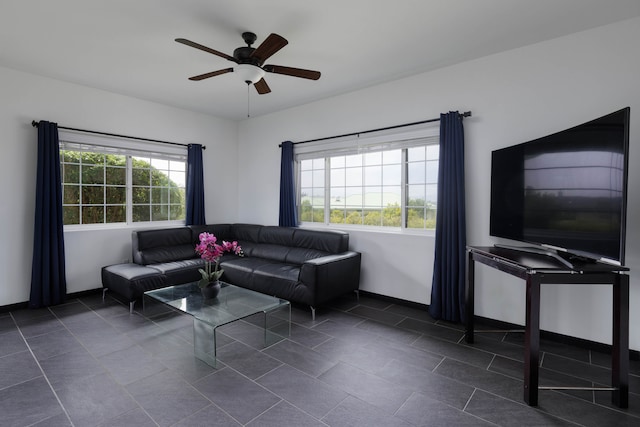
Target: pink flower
(211,252)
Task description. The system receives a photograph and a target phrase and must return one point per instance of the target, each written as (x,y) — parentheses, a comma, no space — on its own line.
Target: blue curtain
(48,279)
(288,215)
(195,186)
(449,270)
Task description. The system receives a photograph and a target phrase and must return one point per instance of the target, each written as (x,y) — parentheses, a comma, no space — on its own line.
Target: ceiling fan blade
(206,49)
(211,74)
(262,87)
(269,46)
(295,72)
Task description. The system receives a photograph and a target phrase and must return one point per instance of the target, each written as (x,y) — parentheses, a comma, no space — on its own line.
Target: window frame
(106,144)
(379,142)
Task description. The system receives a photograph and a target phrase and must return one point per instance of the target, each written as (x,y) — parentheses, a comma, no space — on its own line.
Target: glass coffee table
(232,303)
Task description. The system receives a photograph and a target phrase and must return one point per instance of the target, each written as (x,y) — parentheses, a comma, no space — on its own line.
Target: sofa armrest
(332,275)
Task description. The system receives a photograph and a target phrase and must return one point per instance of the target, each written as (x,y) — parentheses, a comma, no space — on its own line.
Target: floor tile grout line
(107,372)
(44,375)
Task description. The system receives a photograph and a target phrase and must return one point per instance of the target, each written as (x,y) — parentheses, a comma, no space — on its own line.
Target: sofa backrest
(285,244)
(162,245)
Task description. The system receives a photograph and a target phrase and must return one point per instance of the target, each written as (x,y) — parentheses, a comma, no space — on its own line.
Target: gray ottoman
(131,281)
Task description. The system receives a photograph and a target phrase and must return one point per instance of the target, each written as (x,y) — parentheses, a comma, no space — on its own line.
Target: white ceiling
(128,47)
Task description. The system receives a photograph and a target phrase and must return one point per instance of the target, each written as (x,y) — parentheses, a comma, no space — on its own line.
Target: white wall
(515,96)
(24,97)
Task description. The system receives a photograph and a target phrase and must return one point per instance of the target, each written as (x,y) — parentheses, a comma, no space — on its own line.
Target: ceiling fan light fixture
(249,74)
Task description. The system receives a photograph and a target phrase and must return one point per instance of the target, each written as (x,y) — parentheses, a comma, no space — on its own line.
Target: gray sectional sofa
(303,266)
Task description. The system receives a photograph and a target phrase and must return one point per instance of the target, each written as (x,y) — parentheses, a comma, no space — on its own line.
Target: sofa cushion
(183,271)
(274,235)
(132,280)
(163,245)
(331,241)
(248,232)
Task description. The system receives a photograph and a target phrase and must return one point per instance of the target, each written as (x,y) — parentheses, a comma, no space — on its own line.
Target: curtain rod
(35,125)
(465,114)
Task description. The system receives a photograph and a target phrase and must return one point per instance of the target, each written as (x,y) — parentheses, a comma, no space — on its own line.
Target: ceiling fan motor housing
(243,56)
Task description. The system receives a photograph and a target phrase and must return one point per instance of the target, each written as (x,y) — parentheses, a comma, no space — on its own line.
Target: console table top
(533,261)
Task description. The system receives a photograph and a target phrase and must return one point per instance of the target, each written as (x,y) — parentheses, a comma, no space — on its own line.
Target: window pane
(337,216)
(415,154)
(432,172)
(354,216)
(392,157)
(160,164)
(306,165)
(367,188)
(70,173)
(392,175)
(354,196)
(69,156)
(141,213)
(159,212)
(416,173)
(93,174)
(93,195)
(177,212)
(337,178)
(317,197)
(116,196)
(392,215)
(353,160)
(116,176)
(338,198)
(433,152)
(92,214)
(116,214)
(177,178)
(415,218)
(373,158)
(373,217)
(416,195)
(97,182)
(141,195)
(373,175)
(354,177)
(391,195)
(71,214)
(93,158)
(432,193)
(372,197)
(141,176)
(159,195)
(306,179)
(70,194)
(318,178)
(337,162)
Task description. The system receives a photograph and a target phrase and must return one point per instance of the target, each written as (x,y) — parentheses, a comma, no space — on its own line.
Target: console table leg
(469,298)
(620,350)
(532,341)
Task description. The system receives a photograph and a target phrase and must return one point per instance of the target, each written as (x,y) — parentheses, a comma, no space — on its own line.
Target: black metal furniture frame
(537,270)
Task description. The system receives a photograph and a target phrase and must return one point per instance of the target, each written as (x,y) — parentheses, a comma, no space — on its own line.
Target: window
(110,184)
(389,184)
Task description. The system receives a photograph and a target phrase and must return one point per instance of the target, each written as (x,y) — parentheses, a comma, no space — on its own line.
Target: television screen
(566,190)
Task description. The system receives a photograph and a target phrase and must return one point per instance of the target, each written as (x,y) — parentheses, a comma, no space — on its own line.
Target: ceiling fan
(250,61)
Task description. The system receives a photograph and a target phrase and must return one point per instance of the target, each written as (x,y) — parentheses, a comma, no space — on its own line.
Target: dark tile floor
(361,363)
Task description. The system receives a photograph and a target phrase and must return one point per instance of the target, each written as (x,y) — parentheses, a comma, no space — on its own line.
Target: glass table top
(232,303)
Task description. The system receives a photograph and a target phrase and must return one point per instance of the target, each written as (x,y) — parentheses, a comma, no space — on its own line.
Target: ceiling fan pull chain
(248,100)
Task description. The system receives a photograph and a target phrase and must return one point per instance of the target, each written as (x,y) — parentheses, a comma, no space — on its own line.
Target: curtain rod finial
(34,123)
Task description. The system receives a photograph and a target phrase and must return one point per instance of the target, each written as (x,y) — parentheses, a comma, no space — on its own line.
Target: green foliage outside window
(95,190)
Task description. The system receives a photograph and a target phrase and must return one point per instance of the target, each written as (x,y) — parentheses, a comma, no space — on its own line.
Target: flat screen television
(567,191)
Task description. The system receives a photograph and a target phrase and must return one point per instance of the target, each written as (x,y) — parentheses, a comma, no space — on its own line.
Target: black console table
(536,270)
